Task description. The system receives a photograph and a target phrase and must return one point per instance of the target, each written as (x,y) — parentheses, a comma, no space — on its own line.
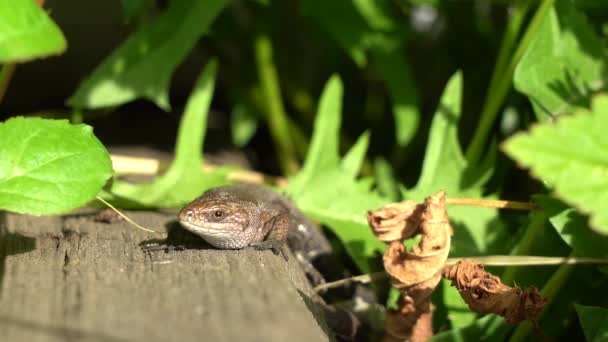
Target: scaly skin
(237,216)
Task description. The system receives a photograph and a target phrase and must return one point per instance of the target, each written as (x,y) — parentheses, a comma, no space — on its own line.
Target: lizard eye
(218,214)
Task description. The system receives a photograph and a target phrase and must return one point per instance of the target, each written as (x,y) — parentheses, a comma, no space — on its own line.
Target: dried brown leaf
(485,293)
(395,221)
(429,256)
(418,272)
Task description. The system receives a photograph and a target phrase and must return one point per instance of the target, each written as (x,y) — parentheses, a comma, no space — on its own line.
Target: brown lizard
(247,215)
(243,215)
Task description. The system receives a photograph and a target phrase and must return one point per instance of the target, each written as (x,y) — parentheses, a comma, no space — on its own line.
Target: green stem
(533,234)
(76,117)
(497,94)
(508,42)
(276,117)
(6,74)
(549,291)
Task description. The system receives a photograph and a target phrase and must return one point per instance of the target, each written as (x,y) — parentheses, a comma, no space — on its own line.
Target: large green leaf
(243,124)
(571,156)
(564,61)
(573,228)
(402,89)
(326,187)
(343,22)
(594,321)
(445,168)
(49,166)
(142,66)
(324,147)
(480,329)
(27,32)
(184,180)
(363,25)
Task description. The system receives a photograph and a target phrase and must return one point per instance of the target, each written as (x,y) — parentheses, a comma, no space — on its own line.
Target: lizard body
(237,216)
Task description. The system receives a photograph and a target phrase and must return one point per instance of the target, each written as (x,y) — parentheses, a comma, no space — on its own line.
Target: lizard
(249,215)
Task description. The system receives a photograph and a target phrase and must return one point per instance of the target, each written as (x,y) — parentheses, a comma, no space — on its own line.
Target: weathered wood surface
(73,279)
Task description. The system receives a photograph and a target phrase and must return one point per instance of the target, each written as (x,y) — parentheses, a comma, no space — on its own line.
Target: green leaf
(357,26)
(326,188)
(385,179)
(458,311)
(445,168)
(342,22)
(481,329)
(594,321)
(243,123)
(184,180)
(573,229)
(49,166)
(27,32)
(402,89)
(354,158)
(133,8)
(571,157)
(443,159)
(562,64)
(142,66)
(341,204)
(324,147)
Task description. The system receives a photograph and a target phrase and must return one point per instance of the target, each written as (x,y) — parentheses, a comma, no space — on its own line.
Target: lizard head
(221,218)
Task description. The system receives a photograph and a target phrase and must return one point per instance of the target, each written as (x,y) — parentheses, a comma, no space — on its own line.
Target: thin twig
(363,279)
(500,204)
(150,166)
(492,260)
(124,216)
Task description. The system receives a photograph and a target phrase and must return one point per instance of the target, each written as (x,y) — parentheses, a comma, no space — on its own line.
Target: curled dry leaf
(395,221)
(485,293)
(428,257)
(413,320)
(416,272)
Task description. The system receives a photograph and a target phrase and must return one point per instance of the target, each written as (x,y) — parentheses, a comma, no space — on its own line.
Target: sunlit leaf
(27,32)
(571,156)
(49,166)
(184,180)
(564,62)
(142,66)
(326,188)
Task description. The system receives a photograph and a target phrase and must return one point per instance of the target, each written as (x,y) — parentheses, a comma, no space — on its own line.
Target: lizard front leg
(277,229)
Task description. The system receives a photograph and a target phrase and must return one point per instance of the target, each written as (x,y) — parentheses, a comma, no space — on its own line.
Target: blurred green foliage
(361,103)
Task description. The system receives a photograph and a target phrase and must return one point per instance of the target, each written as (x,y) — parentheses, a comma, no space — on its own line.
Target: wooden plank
(70,278)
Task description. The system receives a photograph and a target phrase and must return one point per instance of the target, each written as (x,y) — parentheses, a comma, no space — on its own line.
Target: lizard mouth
(220,235)
(214,228)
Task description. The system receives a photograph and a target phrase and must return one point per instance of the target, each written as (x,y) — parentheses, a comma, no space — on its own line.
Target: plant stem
(550,291)
(497,94)
(509,40)
(533,233)
(500,204)
(276,117)
(6,74)
(76,117)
